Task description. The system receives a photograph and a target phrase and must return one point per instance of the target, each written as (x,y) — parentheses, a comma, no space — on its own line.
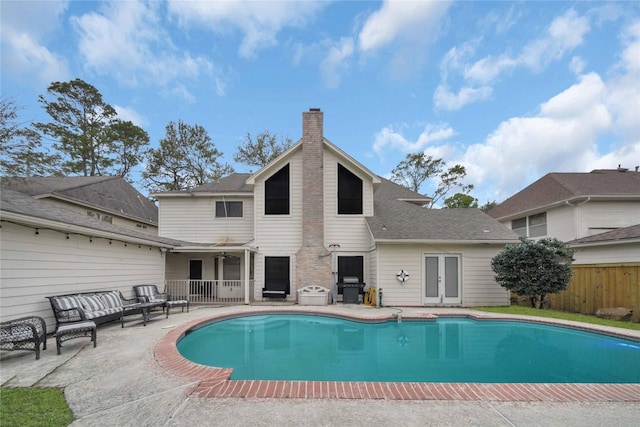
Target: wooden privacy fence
(595,286)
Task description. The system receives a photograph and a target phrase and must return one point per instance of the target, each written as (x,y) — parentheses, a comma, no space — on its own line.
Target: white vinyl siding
(38,265)
(607,254)
(478,285)
(280,232)
(569,222)
(598,217)
(349,231)
(279,235)
(194,219)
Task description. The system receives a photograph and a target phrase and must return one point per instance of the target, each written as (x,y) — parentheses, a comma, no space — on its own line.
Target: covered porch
(219,274)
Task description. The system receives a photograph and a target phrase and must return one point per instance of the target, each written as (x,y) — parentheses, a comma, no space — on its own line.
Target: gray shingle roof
(234,183)
(42,209)
(555,188)
(621,234)
(399,220)
(111,193)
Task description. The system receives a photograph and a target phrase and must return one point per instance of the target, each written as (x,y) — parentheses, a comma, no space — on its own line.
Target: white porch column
(247,272)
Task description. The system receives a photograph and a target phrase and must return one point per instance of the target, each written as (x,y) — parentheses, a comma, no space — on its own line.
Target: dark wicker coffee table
(143,308)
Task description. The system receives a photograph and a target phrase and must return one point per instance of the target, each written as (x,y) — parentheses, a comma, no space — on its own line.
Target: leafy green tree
(417,168)
(460,200)
(534,268)
(88,133)
(186,157)
(488,206)
(21,151)
(263,150)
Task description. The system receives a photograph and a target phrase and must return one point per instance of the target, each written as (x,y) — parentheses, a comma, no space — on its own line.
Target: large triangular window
(349,192)
(276,193)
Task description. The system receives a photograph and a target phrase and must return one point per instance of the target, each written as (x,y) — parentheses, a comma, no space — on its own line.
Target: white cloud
(259,21)
(25,29)
(577,65)
(406,28)
(335,61)
(407,20)
(564,136)
(393,138)
(126,41)
(131,115)
(444,99)
(564,34)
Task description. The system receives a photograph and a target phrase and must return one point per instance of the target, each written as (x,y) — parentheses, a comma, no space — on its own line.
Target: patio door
(195,276)
(442,279)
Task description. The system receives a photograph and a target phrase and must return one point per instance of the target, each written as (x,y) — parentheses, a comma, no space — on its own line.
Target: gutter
(445,241)
(538,209)
(76,229)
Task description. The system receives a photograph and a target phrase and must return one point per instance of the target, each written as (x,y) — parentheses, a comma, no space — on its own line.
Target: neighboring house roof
(621,235)
(21,208)
(398,220)
(108,193)
(557,188)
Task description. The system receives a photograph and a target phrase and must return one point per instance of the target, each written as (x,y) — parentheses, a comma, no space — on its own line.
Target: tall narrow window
(349,192)
(276,193)
(276,274)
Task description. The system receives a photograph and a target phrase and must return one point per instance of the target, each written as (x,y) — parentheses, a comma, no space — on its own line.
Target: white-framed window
(531,226)
(228,209)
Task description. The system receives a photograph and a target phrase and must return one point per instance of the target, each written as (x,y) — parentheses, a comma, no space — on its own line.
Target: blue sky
(511,90)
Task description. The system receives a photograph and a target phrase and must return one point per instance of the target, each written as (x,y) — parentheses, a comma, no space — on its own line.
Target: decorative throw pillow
(69,302)
(92,302)
(111,299)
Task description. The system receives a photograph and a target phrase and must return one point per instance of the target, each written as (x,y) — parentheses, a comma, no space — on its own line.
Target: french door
(442,279)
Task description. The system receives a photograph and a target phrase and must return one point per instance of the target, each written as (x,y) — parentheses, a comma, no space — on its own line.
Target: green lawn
(528,311)
(34,407)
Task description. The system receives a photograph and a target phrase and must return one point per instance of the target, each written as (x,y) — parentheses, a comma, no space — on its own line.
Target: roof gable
(556,188)
(278,162)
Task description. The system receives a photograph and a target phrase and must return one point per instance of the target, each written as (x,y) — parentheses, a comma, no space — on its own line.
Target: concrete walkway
(120,383)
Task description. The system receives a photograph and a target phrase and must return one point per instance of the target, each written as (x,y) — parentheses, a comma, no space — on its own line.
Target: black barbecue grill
(351,288)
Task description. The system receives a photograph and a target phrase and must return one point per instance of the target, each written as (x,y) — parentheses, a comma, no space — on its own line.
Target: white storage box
(313,295)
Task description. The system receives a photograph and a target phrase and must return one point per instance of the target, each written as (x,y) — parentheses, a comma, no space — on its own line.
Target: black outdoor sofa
(99,307)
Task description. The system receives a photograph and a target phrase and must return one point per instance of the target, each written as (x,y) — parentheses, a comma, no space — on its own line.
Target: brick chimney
(313,263)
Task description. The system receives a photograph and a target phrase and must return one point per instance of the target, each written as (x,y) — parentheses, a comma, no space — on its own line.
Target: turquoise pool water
(317,348)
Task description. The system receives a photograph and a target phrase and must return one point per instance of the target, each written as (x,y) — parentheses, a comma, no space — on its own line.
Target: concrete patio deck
(130,379)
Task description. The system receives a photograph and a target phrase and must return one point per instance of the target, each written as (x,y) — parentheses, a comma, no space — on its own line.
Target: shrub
(534,268)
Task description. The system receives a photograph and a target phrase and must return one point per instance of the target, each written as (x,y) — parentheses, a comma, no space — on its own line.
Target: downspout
(247,260)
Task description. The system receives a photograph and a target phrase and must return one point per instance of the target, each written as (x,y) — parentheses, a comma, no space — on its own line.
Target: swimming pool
(310,347)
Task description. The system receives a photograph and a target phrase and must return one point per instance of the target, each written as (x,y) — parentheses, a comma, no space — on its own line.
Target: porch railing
(207,291)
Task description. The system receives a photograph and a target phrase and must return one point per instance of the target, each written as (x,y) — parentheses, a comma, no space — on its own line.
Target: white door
(442,279)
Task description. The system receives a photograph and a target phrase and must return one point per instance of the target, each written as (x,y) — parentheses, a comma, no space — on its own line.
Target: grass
(27,407)
(576,317)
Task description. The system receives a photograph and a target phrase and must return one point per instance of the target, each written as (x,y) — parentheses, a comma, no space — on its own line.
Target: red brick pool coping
(216,382)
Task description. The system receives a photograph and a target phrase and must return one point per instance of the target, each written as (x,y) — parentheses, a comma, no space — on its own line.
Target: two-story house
(316,216)
(597,213)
